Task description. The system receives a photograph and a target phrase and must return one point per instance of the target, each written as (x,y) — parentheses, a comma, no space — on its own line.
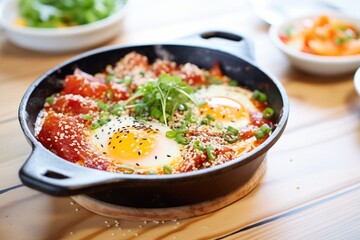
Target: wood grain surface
(311,189)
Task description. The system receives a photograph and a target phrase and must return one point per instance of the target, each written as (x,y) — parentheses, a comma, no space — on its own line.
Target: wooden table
(311,189)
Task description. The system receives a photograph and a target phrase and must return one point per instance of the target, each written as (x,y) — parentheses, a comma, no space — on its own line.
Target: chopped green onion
(189,117)
(184,125)
(180,139)
(103,106)
(50,100)
(193,120)
(117,108)
(94,126)
(104,115)
(142,73)
(167,169)
(103,121)
(233,131)
(260,96)
(268,113)
(171,134)
(211,118)
(87,117)
(258,134)
(125,169)
(182,130)
(233,83)
(198,145)
(205,121)
(210,153)
(265,128)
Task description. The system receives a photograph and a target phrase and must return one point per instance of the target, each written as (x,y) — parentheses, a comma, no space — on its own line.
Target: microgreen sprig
(160,98)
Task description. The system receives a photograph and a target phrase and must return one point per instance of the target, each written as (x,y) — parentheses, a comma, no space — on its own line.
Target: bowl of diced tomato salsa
(322,44)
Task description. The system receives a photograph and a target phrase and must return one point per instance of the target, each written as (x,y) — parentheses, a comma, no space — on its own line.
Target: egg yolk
(223,108)
(132,143)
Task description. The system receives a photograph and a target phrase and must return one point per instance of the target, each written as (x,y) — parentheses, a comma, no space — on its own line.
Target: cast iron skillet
(53,175)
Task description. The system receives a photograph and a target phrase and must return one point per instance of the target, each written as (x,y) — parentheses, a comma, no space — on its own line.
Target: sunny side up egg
(230,106)
(130,143)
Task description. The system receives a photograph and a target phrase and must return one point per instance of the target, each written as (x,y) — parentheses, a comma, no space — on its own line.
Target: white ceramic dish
(357,81)
(60,39)
(314,64)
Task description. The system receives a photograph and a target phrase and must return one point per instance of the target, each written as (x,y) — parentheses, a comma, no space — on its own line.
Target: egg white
(237,94)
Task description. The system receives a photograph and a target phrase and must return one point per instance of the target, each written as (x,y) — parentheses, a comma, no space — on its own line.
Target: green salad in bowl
(57,26)
(64,13)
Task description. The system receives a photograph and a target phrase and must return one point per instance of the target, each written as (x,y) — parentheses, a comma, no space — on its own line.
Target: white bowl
(357,81)
(311,63)
(59,39)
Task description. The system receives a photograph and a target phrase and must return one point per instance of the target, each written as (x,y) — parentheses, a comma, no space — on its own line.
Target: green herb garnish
(167,169)
(198,145)
(233,83)
(268,113)
(50,100)
(266,129)
(262,131)
(210,153)
(87,117)
(163,94)
(260,96)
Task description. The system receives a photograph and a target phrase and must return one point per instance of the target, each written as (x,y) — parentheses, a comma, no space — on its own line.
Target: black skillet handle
(61,178)
(233,43)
